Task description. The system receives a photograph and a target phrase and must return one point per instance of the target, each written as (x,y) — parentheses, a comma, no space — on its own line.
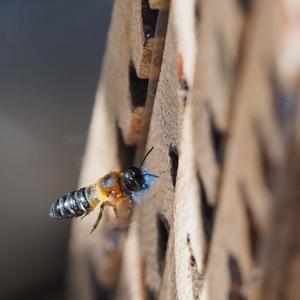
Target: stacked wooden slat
(214,87)
(114,129)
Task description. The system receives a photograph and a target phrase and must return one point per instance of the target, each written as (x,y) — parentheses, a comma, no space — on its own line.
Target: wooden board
(215,89)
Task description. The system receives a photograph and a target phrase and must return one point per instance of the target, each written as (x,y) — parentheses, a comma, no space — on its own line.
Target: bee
(110,190)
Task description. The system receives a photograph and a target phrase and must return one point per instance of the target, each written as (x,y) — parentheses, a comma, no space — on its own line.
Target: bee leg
(116,211)
(85,214)
(129,207)
(98,218)
(114,206)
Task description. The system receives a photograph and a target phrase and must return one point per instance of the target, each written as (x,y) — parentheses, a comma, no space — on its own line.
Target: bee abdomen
(71,205)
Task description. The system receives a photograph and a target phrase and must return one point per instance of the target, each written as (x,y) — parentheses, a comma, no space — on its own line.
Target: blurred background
(50,59)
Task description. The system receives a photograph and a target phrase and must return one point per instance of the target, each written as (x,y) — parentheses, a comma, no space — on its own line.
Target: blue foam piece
(137,196)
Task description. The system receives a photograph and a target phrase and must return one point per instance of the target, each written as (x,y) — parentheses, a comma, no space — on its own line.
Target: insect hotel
(213,86)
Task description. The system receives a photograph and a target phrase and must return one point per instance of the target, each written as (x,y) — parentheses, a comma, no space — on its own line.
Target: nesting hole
(207,211)
(183,90)
(192,257)
(266,162)
(235,292)
(253,232)
(245,6)
(101,290)
(284,102)
(197,277)
(197,12)
(284,105)
(173,154)
(218,139)
(150,294)
(163,229)
(266,165)
(149,19)
(138,87)
(125,152)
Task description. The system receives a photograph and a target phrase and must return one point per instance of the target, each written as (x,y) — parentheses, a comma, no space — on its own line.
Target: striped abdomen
(71,205)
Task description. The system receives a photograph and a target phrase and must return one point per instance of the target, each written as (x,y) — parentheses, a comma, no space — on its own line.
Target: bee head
(134,179)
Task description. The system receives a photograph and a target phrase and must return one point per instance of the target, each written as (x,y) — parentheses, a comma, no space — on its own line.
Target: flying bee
(110,190)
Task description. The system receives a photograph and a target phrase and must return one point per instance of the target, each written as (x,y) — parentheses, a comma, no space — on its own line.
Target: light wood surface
(215,89)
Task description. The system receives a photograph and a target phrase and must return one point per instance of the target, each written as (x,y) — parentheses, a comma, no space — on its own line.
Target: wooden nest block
(217,85)
(127,64)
